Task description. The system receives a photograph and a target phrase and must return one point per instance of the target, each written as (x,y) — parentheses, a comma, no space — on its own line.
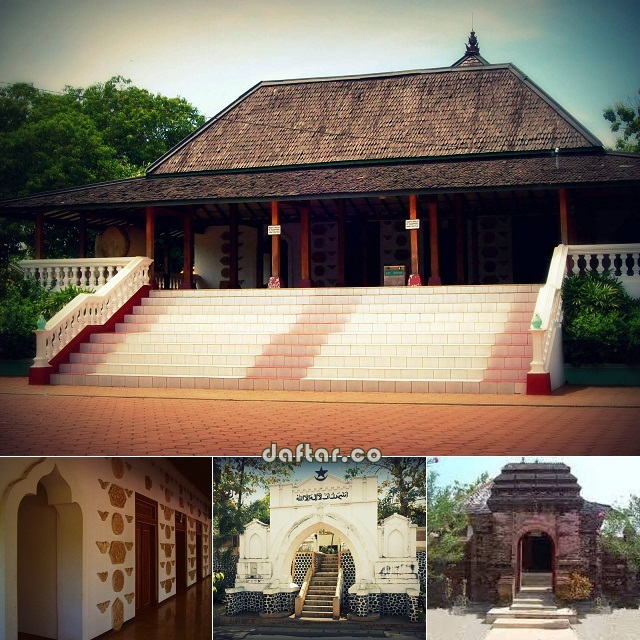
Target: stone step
(531,623)
(316,614)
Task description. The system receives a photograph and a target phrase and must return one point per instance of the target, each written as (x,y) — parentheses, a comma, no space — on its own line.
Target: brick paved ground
(67,420)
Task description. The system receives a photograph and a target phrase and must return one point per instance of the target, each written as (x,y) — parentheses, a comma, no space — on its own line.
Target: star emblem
(321,474)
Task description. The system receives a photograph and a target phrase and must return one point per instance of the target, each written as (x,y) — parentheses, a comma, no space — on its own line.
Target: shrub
(578,587)
(593,291)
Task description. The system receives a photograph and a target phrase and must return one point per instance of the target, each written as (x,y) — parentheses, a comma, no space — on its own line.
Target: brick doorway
(536,559)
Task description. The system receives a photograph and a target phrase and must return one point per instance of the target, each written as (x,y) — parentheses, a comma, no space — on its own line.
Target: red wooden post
(39,240)
(274,280)
(150,236)
(187,249)
(414,277)
(233,247)
(434,278)
(459,240)
(340,266)
(305,280)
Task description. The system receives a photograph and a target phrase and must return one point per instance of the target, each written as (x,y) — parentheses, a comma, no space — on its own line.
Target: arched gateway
(377,569)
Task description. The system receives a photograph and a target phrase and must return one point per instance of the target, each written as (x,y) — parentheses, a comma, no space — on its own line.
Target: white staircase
(318,602)
(454,339)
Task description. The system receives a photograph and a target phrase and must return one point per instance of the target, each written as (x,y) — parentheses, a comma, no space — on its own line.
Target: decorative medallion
(129,597)
(192,574)
(167,586)
(117,524)
(129,570)
(129,545)
(148,483)
(167,533)
(167,495)
(103,575)
(129,492)
(103,515)
(103,606)
(117,496)
(117,467)
(167,550)
(117,614)
(117,580)
(168,568)
(117,552)
(103,546)
(103,484)
(129,519)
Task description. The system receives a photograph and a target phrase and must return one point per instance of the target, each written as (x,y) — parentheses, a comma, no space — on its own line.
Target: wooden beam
(434,278)
(187,249)
(305,232)
(39,239)
(564,216)
(414,276)
(459,240)
(234,281)
(274,280)
(150,236)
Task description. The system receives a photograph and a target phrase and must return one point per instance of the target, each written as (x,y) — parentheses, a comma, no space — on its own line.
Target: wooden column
(459,240)
(82,239)
(340,266)
(187,249)
(274,280)
(39,240)
(150,235)
(305,280)
(234,280)
(434,278)
(414,276)
(564,216)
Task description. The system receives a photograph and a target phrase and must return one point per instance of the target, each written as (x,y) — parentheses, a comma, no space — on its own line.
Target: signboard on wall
(394,275)
(274,230)
(412,224)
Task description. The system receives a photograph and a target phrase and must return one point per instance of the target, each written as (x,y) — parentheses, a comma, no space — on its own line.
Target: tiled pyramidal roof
(535,486)
(452,111)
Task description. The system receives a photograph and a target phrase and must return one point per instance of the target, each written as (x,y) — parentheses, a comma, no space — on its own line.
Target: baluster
(101,279)
(634,269)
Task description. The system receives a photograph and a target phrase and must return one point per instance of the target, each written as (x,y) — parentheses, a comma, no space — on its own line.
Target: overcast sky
(584,53)
(609,480)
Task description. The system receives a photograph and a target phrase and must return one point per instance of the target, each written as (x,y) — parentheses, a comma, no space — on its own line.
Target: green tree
(447,521)
(625,119)
(621,532)
(404,483)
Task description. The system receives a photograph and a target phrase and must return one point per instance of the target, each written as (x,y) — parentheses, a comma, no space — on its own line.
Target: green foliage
(621,532)
(22,303)
(446,522)
(601,321)
(625,118)
(107,131)
(403,483)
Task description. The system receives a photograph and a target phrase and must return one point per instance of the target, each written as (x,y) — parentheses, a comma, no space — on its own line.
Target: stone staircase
(532,608)
(318,602)
(454,339)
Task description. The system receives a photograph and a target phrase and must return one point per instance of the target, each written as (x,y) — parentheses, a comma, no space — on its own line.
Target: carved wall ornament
(103,606)
(167,533)
(148,483)
(192,561)
(168,568)
(117,524)
(117,496)
(167,477)
(181,503)
(180,489)
(103,515)
(191,509)
(129,519)
(117,467)
(117,580)
(103,575)
(129,545)
(192,548)
(129,570)
(162,525)
(129,597)
(129,492)
(103,546)
(128,465)
(192,574)
(117,614)
(117,552)
(167,495)
(103,483)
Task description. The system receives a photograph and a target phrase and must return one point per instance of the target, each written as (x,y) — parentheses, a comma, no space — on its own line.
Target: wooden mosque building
(458,175)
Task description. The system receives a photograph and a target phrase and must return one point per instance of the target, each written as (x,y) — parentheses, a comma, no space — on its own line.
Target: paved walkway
(70,420)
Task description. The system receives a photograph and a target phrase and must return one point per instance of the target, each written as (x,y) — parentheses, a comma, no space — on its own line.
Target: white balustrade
(91,308)
(622,260)
(175,280)
(91,273)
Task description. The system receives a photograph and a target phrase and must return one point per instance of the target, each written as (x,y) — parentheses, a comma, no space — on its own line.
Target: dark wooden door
(146,556)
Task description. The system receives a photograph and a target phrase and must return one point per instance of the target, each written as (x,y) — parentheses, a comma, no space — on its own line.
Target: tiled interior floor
(185,617)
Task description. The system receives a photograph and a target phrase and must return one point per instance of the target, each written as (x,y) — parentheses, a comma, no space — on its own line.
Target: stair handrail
(547,315)
(302,594)
(337,597)
(90,309)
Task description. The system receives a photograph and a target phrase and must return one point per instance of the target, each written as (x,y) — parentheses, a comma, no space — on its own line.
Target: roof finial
(472,48)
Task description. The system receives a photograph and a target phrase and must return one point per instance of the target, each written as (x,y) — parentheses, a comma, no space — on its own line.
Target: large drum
(118,242)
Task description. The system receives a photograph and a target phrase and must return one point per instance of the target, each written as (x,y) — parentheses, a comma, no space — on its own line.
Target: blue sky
(609,480)
(584,53)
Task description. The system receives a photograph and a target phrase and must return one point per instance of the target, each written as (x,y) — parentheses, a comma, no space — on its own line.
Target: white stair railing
(90,309)
(622,260)
(90,273)
(337,596)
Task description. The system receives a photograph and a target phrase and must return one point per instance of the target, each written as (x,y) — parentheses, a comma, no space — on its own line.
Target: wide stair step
(472,339)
